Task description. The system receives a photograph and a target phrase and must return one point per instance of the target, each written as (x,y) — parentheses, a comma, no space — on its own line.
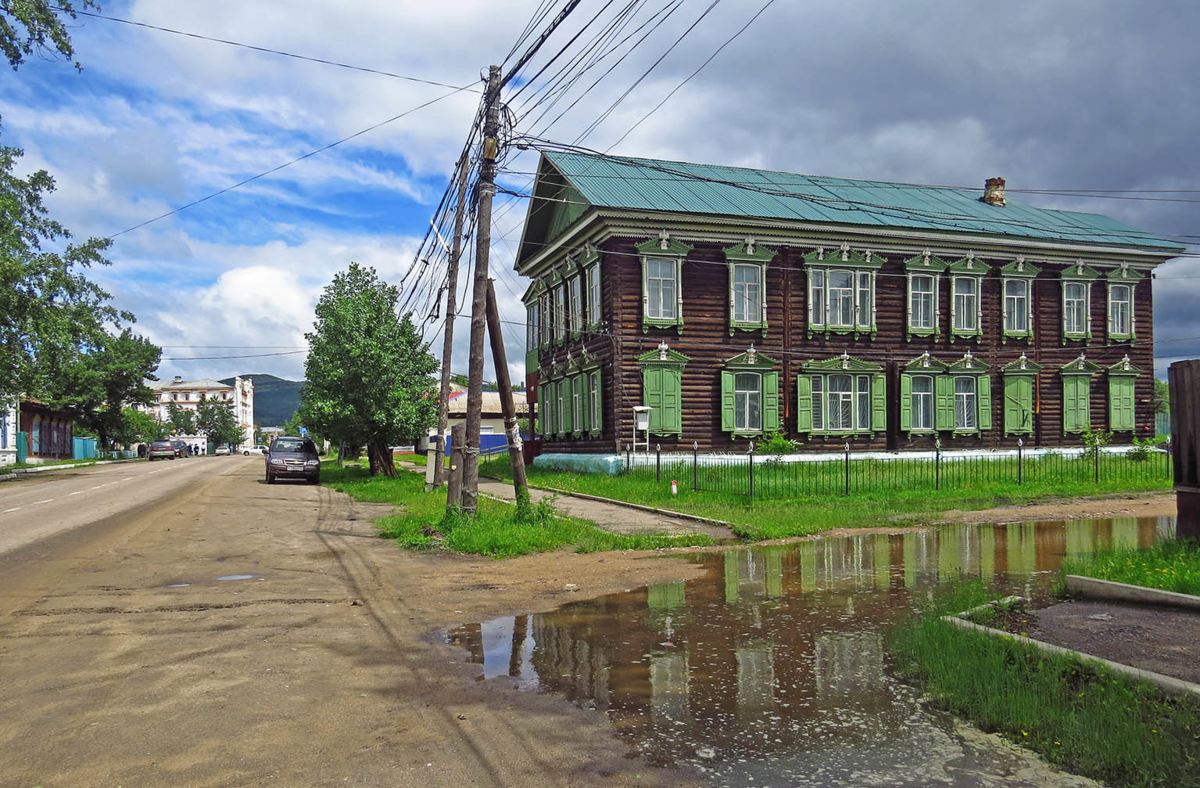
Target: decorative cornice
(662,355)
(1080,271)
(1020,268)
(968,365)
(1124,367)
(749,251)
(925,363)
(663,245)
(842,256)
(969,265)
(1080,366)
(1021,366)
(1123,273)
(842,363)
(751,359)
(926,262)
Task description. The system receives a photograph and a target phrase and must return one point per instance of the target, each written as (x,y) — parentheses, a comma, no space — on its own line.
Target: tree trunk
(381,459)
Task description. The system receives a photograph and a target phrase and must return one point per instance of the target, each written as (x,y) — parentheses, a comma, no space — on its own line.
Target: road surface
(183,623)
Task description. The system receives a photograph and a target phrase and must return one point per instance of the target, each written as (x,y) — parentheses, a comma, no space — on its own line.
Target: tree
(1162,396)
(49,311)
(217,420)
(369,376)
(182,420)
(137,426)
(95,386)
(43,27)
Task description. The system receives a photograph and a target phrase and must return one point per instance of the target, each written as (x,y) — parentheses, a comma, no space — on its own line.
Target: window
(1120,310)
(662,379)
(531,329)
(660,289)
(1018,397)
(1016,306)
(966,304)
(840,403)
(594,412)
(593,302)
(548,410)
(748,402)
(576,305)
(546,321)
(841,299)
(816,297)
(1077,402)
(866,299)
(1075,308)
(577,404)
(966,407)
(921,302)
(560,414)
(922,403)
(747,294)
(818,402)
(560,313)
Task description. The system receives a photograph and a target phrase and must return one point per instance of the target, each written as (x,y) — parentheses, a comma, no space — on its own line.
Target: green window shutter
(727,420)
(943,385)
(548,416)
(984,390)
(672,400)
(1018,404)
(770,401)
(1120,404)
(566,416)
(878,403)
(652,396)
(599,383)
(1077,410)
(905,403)
(804,403)
(579,384)
(1070,416)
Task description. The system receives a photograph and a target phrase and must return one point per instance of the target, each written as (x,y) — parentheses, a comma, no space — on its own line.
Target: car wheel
(315,480)
(246,453)
(270,479)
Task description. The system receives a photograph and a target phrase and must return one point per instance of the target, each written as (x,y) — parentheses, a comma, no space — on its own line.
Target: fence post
(695,466)
(752,470)
(628,459)
(1020,461)
(658,462)
(847,467)
(937,464)
(1096,463)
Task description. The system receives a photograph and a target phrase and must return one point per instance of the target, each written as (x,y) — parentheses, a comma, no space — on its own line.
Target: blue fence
(83,449)
(488,444)
(1162,423)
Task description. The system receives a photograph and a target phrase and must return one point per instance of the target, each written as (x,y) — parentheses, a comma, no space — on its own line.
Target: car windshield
(162,444)
(292,444)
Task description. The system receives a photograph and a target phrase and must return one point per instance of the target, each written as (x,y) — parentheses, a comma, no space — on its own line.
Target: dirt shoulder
(1155,504)
(127,660)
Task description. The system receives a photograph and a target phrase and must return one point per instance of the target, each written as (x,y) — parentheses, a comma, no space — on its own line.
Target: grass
(1077,715)
(808,513)
(1172,565)
(498,530)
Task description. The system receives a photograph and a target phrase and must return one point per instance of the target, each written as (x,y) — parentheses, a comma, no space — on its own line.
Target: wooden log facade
(790,345)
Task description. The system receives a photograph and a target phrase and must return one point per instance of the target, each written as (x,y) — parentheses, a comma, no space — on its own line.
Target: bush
(776,443)
(1144,447)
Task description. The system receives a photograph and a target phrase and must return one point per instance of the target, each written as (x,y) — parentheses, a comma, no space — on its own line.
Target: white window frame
(576,405)
(816,297)
(575,301)
(961,311)
(560,313)
(532,312)
(1084,312)
(743,398)
(1115,330)
(966,403)
(744,290)
(593,399)
(545,301)
(855,302)
(593,298)
(826,401)
(932,293)
(919,411)
(1022,305)
(845,297)
(674,301)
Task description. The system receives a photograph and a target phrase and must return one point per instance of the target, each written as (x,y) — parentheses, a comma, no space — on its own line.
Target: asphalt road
(37,506)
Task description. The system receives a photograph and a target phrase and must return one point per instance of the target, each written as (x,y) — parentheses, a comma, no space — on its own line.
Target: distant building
(8,434)
(188,394)
(492,419)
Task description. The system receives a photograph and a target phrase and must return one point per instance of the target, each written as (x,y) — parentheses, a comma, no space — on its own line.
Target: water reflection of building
(775,649)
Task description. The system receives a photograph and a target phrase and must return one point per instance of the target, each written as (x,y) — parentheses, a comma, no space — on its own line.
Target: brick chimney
(993,192)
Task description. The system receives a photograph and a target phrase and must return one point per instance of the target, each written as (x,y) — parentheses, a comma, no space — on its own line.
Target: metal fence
(774,476)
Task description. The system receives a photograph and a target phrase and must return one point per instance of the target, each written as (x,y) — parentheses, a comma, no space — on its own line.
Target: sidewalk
(610,517)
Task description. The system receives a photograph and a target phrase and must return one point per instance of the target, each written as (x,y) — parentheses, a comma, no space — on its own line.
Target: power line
(311,153)
(268,50)
(218,358)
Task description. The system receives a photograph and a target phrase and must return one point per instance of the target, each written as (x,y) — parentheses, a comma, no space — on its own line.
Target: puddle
(772,666)
(178,585)
(236,577)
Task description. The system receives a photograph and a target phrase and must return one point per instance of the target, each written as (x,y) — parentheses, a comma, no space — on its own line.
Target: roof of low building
(491,403)
(190,385)
(679,187)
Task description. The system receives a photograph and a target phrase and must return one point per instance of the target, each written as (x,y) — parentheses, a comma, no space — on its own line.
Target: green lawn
(1078,715)
(881,504)
(1173,565)
(498,530)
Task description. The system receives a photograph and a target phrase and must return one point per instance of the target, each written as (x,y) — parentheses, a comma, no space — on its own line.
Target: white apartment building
(188,393)
(9,424)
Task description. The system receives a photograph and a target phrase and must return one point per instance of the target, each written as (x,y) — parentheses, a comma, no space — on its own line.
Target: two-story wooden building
(738,302)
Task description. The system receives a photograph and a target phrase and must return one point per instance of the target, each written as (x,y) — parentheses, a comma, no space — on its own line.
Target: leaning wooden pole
(439,460)
(507,407)
(486,189)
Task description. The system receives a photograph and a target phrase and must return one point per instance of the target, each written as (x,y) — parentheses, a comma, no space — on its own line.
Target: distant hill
(275,399)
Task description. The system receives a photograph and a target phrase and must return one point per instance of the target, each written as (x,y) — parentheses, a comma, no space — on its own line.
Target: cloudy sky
(1051,95)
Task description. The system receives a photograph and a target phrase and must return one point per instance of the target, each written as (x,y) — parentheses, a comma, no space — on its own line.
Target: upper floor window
(662,299)
(593,296)
(747,293)
(841,291)
(1122,287)
(924,277)
(544,326)
(1077,301)
(560,313)
(660,289)
(748,286)
(1016,306)
(576,307)
(966,297)
(532,333)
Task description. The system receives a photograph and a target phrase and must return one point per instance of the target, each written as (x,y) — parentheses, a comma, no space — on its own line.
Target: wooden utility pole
(486,187)
(454,486)
(1184,379)
(439,468)
(507,407)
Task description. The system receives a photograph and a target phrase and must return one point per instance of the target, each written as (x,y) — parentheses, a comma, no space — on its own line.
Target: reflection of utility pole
(516,656)
(486,188)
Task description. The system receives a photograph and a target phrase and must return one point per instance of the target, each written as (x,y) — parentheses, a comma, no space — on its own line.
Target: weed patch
(1172,565)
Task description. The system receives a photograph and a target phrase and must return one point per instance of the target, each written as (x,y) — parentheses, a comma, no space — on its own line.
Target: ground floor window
(842,403)
(747,401)
(922,403)
(966,404)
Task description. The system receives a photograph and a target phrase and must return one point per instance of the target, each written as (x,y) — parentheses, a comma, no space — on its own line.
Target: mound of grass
(1077,715)
(1172,565)
(498,529)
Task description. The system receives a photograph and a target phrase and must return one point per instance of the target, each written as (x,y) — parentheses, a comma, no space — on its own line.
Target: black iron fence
(786,476)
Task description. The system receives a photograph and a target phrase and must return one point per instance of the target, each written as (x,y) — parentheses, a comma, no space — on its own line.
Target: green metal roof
(678,187)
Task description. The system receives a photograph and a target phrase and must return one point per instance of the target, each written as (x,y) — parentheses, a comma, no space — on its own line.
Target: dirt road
(126,659)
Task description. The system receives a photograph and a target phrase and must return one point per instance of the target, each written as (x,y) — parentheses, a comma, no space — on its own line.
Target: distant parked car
(160,450)
(259,449)
(181,449)
(221,450)
(293,458)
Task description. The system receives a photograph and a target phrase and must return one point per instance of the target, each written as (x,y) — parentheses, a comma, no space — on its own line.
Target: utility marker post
(439,467)
(507,407)
(486,186)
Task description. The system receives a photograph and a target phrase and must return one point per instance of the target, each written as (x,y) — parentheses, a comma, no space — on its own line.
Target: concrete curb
(640,507)
(1095,588)
(1168,684)
(17,473)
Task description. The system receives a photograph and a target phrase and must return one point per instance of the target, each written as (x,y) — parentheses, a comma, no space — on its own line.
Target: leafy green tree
(95,386)
(41,28)
(369,376)
(1162,396)
(217,420)
(182,420)
(49,311)
(137,427)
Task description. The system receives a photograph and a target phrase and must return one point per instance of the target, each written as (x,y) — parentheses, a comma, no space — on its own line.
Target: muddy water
(771,669)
